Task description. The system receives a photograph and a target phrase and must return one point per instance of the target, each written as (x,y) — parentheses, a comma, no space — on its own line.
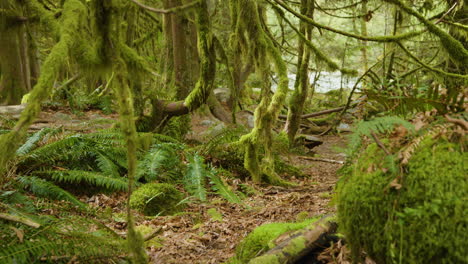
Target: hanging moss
(156,198)
(422,222)
(262,239)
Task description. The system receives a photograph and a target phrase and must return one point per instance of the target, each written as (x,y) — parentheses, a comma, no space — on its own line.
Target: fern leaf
(92,178)
(194,180)
(107,165)
(43,188)
(378,125)
(31,142)
(161,158)
(222,189)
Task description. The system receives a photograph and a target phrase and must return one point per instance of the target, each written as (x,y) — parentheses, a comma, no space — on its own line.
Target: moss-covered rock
(156,198)
(262,239)
(414,213)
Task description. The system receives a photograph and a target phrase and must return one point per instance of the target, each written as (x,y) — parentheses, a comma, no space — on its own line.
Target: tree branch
(166,11)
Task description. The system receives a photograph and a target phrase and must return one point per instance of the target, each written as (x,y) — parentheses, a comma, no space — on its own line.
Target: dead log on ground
(321,159)
(300,243)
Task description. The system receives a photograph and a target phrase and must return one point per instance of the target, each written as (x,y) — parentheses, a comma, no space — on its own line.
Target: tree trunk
(296,103)
(15,79)
(180,45)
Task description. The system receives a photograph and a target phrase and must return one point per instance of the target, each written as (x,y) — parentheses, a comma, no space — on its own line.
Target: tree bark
(297,101)
(13,53)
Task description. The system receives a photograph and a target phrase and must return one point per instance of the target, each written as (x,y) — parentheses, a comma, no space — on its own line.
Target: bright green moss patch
(261,239)
(424,221)
(156,198)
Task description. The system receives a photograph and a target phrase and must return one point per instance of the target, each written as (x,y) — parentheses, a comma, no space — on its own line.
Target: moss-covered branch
(454,47)
(341,32)
(411,55)
(318,53)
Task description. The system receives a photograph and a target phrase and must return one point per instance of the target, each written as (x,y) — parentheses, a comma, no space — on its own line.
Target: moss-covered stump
(414,212)
(156,198)
(263,238)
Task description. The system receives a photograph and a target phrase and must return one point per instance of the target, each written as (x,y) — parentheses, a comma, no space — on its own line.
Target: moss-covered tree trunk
(180,46)
(15,78)
(301,86)
(247,16)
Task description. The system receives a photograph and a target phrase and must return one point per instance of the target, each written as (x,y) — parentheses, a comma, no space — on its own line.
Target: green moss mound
(262,239)
(417,213)
(156,198)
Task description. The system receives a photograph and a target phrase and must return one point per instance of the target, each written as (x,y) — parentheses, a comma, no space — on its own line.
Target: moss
(261,239)
(156,198)
(424,221)
(302,216)
(215,215)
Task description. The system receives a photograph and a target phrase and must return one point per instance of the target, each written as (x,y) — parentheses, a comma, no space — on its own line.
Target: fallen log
(300,243)
(321,159)
(14,110)
(319,113)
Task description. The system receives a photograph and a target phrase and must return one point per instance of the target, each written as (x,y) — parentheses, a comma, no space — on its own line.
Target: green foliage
(156,199)
(415,213)
(161,162)
(33,141)
(194,179)
(43,188)
(262,238)
(91,178)
(223,189)
(384,124)
(59,241)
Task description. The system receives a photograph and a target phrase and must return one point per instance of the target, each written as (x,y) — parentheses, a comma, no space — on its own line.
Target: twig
(20,219)
(446,13)
(152,234)
(321,159)
(458,122)
(380,144)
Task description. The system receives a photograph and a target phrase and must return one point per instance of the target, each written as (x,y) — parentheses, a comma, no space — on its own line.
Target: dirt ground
(195,236)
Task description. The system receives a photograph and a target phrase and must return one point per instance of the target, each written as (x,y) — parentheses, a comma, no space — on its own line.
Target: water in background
(327,81)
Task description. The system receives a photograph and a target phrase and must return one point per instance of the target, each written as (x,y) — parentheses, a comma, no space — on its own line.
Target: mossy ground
(412,214)
(156,198)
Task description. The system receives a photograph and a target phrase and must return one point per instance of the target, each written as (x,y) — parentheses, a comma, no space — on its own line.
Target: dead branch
(321,159)
(19,219)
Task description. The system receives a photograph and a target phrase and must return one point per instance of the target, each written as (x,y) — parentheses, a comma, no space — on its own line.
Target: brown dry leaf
(395,184)
(19,233)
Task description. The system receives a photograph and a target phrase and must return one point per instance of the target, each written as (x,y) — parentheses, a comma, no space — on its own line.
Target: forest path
(196,237)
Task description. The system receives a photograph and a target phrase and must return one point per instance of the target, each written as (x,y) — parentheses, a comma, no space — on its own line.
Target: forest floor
(197,236)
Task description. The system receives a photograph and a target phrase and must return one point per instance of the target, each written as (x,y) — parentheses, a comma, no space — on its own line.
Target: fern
(106,165)
(161,159)
(227,135)
(92,178)
(43,188)
(222,189)
(194,179)
(59,242)
(378,125)
(32,141)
